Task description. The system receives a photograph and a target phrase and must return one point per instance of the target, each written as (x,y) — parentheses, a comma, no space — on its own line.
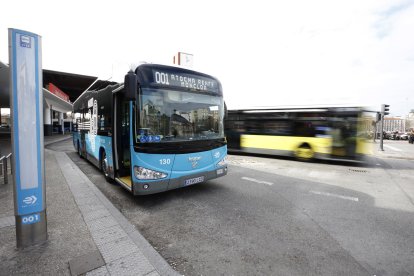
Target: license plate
(194,180)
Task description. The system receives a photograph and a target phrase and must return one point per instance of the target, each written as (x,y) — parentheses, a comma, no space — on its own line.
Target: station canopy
(72,86)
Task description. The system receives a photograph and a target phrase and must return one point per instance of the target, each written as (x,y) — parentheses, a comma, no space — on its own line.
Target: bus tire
(304,152)
(103,165)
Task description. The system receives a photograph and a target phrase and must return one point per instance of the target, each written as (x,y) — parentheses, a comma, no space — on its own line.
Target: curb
(56,141)
(394,157)
(383,154)
(87,195)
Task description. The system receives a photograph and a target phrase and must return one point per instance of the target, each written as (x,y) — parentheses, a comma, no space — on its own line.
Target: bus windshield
(170,116)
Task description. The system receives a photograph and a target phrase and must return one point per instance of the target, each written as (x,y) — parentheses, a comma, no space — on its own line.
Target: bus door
(234,127)
(82,143)
(122,126)
(350,134)
(343,136)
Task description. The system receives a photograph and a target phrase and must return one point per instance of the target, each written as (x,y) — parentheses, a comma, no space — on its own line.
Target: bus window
(304,129)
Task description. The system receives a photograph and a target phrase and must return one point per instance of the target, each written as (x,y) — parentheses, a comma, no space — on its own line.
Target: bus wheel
(104,166)
(304,153)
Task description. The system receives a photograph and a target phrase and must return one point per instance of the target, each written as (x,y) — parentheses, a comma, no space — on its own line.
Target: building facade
(393,124)
(409,121)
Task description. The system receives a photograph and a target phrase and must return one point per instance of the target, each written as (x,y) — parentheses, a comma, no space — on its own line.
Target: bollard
(2,171)
(4,168)
(1,165)
(11,163)
(6,177)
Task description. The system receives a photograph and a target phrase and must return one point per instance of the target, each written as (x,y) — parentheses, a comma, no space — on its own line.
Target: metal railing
(4,168)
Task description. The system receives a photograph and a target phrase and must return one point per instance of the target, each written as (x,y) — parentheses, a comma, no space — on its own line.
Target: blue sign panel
(27,109)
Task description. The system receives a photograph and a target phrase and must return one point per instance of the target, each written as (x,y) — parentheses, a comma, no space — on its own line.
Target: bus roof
(145,75)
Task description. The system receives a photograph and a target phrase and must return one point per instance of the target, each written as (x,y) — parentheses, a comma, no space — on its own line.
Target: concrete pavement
(394,149)
(86,233)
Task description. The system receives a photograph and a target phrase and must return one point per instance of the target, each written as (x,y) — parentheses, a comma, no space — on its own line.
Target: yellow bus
(304,133)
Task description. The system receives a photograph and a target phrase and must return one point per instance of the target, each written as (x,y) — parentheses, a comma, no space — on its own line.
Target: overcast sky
(266,53)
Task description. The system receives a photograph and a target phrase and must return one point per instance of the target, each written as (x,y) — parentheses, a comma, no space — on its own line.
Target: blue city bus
(162,129)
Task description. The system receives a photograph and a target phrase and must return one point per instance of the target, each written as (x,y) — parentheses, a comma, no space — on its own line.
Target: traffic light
(385,108)
(377,117)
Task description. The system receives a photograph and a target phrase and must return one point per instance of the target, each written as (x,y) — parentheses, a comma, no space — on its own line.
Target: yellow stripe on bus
(287,143)
(364,146)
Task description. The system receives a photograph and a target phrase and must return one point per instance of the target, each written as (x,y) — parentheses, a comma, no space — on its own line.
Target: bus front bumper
(146,188)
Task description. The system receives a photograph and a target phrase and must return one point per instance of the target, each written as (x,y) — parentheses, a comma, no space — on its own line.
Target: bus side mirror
(130,86)
(226,112)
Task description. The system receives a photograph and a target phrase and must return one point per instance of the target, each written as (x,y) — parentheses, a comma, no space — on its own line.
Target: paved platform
(393,149)
(86,233)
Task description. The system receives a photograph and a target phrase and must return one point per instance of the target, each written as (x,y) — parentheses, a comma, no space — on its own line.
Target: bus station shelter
(60,90)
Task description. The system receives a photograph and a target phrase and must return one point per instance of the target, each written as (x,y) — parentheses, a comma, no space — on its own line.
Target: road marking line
(257,181)
(392,148)
(335,195)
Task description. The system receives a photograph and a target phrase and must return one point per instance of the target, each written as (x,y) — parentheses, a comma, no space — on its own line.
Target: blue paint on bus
(170,136)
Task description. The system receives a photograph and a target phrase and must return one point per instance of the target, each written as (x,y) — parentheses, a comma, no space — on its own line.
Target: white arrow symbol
(30,200)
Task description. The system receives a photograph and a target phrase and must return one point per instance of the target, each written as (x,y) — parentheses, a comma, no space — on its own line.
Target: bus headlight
(223,162)
(143,173)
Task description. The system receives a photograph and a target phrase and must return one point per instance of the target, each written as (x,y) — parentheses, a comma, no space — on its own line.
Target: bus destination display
(185,80)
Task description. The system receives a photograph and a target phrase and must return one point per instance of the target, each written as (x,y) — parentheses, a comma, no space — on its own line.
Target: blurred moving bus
(304,133)
(161,129)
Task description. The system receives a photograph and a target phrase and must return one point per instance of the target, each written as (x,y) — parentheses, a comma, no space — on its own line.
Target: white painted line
(392,148)
(257,181)
(335,195)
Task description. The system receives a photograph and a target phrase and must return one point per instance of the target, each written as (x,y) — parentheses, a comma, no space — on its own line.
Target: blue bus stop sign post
(26,96)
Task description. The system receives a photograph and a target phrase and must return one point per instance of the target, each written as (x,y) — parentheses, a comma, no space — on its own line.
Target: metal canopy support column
(47,120)
(61,122)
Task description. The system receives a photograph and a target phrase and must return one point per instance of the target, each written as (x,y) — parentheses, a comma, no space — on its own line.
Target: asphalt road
(272,216)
